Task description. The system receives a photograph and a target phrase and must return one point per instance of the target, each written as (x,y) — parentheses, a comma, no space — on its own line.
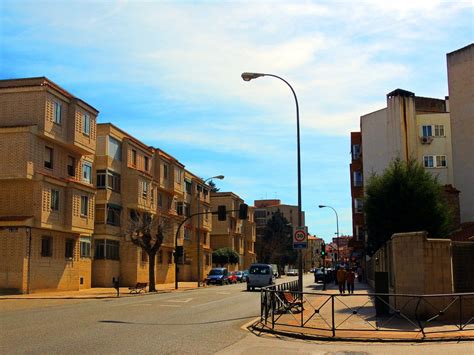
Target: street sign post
(300,239)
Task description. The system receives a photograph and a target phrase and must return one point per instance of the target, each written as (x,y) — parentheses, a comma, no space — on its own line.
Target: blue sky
(169,73)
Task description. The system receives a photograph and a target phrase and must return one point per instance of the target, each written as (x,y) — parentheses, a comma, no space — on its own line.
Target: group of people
(348,276)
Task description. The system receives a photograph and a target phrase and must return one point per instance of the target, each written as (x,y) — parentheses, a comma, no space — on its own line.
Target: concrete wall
(461,102)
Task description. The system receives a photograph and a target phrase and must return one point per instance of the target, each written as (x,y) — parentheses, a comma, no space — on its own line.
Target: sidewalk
(99,292)
(354,318)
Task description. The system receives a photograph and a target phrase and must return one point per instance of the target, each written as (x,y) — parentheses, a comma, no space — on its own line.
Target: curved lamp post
(337,226)
(247,77)
(219,177)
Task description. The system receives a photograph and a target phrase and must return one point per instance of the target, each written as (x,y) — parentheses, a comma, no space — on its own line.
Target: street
(201,321)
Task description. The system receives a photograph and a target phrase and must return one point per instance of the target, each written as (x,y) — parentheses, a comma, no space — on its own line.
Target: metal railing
(322,314)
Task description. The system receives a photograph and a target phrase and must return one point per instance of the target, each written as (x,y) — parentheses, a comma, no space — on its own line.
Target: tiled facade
(47,196)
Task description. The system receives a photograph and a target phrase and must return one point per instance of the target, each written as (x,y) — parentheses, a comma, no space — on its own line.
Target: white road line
(223,293)
(168,305)
(186,300)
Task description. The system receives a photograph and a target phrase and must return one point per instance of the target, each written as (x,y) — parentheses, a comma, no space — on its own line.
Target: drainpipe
(28,232)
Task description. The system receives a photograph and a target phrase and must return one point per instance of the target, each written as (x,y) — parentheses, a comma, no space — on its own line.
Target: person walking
(350,277)
(359,274)
(341,280)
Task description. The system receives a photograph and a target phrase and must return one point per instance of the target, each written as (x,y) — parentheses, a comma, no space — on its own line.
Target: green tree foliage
(276,244)
(213,186)
(224,256)
(405,198)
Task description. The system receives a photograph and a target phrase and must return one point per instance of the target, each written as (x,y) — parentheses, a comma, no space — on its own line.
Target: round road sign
(300,236)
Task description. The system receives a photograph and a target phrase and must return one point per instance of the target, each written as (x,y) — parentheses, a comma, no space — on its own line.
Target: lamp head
(249,76)
(321,206)
(219,177)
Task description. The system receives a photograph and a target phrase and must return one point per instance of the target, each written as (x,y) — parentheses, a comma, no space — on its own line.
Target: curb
(262,329)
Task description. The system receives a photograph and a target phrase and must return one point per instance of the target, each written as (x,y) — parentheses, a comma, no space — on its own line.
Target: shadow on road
(179,324)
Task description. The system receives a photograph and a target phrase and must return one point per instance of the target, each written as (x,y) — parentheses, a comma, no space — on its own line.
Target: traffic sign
(300,239)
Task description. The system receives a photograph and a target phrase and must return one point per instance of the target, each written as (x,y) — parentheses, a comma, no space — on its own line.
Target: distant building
(460,65)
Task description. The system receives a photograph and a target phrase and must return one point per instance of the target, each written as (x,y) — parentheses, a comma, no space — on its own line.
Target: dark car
(245,275)
(240,276)
(320,275)
(218,276)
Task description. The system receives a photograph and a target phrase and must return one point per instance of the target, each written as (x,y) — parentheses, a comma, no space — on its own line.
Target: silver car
(260,275)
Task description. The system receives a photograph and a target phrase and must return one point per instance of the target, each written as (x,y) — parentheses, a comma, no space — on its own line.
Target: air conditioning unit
(426,140)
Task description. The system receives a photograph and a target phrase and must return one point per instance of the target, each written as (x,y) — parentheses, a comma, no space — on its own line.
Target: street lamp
(247,77)
(337,226)
(219,177)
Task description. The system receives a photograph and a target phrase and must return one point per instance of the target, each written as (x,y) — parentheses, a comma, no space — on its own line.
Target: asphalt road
(198,321)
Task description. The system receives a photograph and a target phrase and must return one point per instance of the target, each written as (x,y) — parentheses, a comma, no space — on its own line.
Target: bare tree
(147,232)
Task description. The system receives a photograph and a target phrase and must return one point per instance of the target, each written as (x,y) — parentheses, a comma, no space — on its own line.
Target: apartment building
(47,196)
(312,255)
(232,233)
(460,65)
(357,187)
(197,231)
(133,179)
(250,237)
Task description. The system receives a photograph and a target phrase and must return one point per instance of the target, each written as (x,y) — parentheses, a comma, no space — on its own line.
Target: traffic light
(221,213)
(323,250)
(243,211)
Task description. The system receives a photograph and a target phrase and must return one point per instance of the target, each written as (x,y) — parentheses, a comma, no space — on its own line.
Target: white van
(260,275)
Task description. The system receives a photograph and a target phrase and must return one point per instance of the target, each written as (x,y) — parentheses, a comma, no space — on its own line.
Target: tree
(275,246)
(405,198)
(147,232)
(224,256)
(212,184)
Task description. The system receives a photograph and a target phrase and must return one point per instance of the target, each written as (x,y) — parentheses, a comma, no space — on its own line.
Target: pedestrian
(341,280)
(350,277)
(359,274)
(315,272)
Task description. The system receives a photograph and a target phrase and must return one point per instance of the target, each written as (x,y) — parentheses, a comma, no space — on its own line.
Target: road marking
(141,304)
(186,300)
(168,305)
(223,293)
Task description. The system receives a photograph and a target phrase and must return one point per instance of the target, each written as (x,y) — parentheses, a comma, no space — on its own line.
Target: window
(439,130)
(71,166)
(441,161)
(115,149)
(87,172)
(85,244)
(208,259)
(146,163)
(106,249)
(145,189)
(84,205)
(427,131)
(355,151)
(187,209)
(206,192)
(434,161)
(165,171)
(57,112)
(134,157)
(46,246)
(69,251)
(358,178)
(179,208)
(48,157)
(113,214)
(86,124)
(178,175)
(187,234)
(113,181)
(101,179)
(54,200)
(188,187)
(359,205)
(160,199)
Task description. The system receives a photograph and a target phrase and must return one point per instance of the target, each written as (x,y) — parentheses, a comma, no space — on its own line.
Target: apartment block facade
(47,196)
(234,233)
(460,65)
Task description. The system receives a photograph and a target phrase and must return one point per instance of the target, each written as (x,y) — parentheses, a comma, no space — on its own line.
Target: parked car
(292,272)
(320,275)
(260,275)
(232,278)
(246,275)
(275,270)
(218,275)
(240,276)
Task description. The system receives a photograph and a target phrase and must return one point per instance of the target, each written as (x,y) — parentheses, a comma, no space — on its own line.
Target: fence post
(460,312)
(333,321)
(272,302)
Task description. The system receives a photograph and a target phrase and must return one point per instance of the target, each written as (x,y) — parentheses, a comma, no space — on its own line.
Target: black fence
(283,307)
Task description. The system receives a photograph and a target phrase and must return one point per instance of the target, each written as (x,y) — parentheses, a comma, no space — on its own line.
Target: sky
(168,72)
